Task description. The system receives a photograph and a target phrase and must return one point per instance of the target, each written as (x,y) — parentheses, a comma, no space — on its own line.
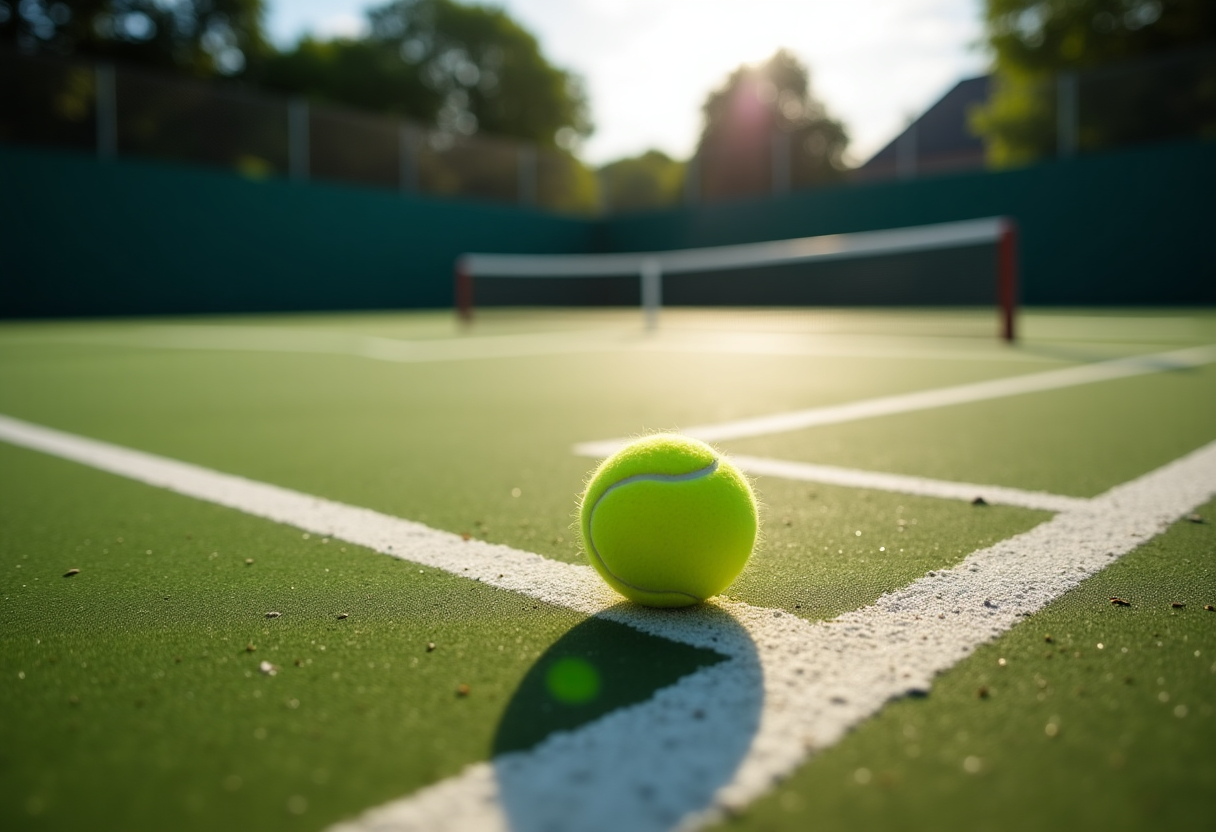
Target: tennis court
(329,572)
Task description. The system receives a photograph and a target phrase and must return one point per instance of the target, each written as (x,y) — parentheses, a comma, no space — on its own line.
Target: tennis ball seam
(708,470)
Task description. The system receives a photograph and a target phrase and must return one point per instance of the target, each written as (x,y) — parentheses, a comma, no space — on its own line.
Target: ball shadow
(614,728)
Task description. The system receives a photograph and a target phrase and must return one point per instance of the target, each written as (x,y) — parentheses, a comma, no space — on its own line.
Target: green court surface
(135,689)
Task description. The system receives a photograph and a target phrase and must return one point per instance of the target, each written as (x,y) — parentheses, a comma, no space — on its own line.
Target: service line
(723,735)
(929,399)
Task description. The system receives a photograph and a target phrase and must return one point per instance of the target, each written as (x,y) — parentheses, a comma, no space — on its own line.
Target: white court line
(929,399)
(425,351)
(722,736)
(902,484)
(898,483)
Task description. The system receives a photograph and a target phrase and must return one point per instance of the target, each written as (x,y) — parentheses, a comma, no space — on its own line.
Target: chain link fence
(123,112)
(119,111)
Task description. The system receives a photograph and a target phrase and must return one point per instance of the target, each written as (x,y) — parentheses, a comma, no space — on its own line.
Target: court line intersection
(724,735)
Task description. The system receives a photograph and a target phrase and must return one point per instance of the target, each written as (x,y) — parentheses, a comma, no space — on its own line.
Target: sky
(648,65)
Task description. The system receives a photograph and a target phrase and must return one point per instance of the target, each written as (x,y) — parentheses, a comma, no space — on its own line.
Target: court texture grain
(322,572)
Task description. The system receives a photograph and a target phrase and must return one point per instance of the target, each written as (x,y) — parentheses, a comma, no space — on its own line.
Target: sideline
(817,679)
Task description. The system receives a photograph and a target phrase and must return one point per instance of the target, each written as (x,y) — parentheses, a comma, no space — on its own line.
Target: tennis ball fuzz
(667,521)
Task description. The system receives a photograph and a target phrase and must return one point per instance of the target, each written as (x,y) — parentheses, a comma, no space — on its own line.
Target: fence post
(906,152)
(781,162)
(1007,278)
(526,163)
(1066,114)
(297,139)
(692,180)
(408,146)
(652,292)
(106,111)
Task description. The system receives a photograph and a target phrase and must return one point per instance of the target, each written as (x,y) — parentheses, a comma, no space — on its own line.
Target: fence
(118,111)
(1169,97)
(1000,122)
(124,112)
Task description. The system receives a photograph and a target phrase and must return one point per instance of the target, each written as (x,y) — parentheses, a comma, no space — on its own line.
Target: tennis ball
(667,521)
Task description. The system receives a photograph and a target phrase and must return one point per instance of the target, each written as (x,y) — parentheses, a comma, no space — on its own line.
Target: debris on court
(249,648)
(1178,605)
(273,614)
(1195,518)
(1048,639)
(462,691)
(268,668)
(1209,608)
(982,693)
(343,615)
(466,536)
(71,572)
(1119,602)
(979,501)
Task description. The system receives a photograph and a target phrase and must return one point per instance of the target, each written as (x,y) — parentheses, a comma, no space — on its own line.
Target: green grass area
(130,692)
(1086,716)
(136,699)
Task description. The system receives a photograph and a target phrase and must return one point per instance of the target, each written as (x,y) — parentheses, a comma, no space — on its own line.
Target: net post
(1007,277)
(651,275)
(463,291)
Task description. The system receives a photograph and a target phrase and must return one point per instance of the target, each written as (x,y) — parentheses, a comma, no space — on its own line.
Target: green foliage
(464,68)
(565,184)
(638,183)
(198,37)
(1034,40)
(357,73)
(1049,35)
(748,110)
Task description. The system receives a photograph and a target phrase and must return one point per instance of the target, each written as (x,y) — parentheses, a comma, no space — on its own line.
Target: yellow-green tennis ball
(668,521)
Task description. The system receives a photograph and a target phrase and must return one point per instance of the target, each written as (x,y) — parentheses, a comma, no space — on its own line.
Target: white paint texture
(722,736)
(903,484)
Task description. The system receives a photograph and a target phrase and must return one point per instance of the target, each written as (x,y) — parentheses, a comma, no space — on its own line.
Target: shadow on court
(615,729)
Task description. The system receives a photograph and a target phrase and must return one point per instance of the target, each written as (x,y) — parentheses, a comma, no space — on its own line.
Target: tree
(464,68)
(199,37)
(651,180)
(761,116)
(1033,41)
(357,73)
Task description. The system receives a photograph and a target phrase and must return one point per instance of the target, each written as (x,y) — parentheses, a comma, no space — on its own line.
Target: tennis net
(900,266)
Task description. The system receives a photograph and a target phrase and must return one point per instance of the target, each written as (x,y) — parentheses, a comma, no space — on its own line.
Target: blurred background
(595,107)
(213,156)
